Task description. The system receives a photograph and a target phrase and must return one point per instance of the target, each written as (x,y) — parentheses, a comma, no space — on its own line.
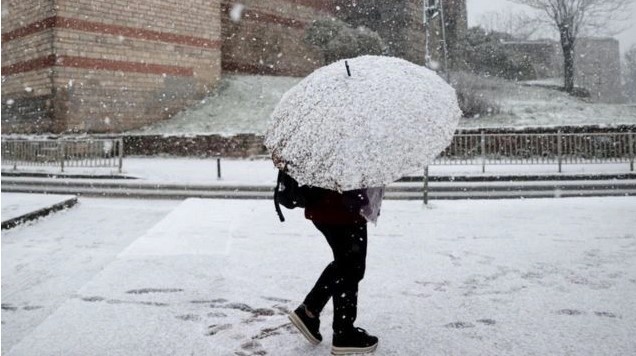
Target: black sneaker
(356,341)
(309,327)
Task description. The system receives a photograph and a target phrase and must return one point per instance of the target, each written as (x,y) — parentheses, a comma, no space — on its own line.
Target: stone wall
(108,66)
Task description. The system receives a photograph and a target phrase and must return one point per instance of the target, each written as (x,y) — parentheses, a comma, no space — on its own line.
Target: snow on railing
(81,152)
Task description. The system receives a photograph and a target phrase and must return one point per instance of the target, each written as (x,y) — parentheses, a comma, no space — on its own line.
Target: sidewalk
(217,277)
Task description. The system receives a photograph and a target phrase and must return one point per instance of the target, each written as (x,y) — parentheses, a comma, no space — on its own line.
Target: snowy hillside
(531,104)
(243,104)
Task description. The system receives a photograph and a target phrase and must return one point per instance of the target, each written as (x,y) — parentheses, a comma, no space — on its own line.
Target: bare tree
(572,18)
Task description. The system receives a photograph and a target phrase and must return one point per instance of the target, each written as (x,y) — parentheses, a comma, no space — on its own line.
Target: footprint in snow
(569,312)
(216,328)
(459,325)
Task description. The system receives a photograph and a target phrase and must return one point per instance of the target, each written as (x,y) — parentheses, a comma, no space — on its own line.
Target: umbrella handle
(348,71)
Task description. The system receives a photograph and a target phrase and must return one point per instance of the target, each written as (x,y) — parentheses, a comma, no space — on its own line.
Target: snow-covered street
(216,277)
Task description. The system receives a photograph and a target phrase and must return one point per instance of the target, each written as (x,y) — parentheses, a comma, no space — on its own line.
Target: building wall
(400,24)
(266,36)
(115,66)
(598,68)
(110,66)
(456,18)
(545,56)
(26,86)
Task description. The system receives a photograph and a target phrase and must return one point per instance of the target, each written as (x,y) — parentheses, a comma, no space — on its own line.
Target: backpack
(289,194)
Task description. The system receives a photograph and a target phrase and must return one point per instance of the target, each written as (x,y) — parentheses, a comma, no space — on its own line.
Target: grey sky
(477,8)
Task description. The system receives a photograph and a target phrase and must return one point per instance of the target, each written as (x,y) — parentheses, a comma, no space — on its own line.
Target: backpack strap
(276,204)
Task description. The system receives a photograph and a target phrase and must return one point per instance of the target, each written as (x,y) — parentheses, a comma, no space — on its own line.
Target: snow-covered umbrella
(337,131)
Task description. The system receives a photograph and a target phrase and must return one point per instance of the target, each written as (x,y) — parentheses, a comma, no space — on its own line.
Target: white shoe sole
(338,351)
(295,320)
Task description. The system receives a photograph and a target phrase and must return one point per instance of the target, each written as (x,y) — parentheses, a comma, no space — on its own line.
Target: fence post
(61,153)
(16,154)
(120,142)
(425,180)
(483,152)
(218,168)
(559,149)
(631,151)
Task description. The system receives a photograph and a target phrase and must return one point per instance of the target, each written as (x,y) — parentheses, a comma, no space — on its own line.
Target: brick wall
(26,93)
(268,37)
(111,65)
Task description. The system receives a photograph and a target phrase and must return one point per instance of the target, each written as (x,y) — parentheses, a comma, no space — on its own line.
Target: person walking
(342,218)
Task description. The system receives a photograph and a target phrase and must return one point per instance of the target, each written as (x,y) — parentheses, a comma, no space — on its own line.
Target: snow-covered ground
(16,204)
(216,277)
(243,104)
(531,106)
(262,171)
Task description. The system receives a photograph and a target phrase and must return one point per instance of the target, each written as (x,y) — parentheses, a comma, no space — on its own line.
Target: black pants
(340,278)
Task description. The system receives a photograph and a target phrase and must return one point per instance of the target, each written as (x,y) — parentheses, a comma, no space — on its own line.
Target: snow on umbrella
(340,132)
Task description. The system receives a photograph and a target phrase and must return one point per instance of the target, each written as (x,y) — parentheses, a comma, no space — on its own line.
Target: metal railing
(555,148)
(63,153)
(465,149)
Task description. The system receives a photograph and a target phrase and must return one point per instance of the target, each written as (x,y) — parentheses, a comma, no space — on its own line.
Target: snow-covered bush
(471,96)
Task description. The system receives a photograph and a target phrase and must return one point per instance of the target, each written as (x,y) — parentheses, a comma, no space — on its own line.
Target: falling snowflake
(237,12)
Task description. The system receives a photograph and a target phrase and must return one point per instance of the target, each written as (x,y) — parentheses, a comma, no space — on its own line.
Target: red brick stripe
(115,30)
(30,65)
(122,66)
(29,29)
(95,64)
(275,19)
(249,68)
(322,5)
(260,16)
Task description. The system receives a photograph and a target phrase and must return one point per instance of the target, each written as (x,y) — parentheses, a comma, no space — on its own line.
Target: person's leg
(341,277)
(307,316)
(319,295)
(350,263)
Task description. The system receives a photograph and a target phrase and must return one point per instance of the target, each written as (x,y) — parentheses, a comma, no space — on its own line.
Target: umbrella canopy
(340,132)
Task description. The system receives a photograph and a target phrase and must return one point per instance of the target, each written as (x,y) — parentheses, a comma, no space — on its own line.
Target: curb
(11,223)
(408,179)
(404,191)
(521,177)
(64,175)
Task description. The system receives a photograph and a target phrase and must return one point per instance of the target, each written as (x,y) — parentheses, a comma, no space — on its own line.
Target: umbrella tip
(348,71)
